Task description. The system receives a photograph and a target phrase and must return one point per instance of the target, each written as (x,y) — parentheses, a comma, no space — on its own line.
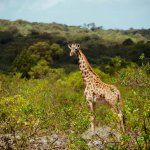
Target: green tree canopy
(31,56)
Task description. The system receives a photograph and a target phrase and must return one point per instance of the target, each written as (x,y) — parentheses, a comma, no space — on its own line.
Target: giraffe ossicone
(96,90)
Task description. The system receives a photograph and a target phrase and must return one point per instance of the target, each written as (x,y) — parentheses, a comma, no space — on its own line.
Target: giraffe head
(74,48)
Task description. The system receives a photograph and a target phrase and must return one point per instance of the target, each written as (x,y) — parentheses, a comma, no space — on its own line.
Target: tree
(56,50)
(41,50)
(5,37)
(36,54)
(31,56)
(128,42)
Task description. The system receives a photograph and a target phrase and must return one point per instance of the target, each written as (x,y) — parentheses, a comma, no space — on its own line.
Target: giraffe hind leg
(92,118)
(120,124)
(121,121)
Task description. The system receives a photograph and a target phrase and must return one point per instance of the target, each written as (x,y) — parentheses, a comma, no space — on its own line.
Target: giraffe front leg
(92,106)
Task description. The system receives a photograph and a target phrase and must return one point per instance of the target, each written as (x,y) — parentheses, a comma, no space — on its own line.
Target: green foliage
(56,103)
(135,92)
(52,99)
(24,61)
(52,105)
(40,70)
(56,50)
(5,37)
(128,42)
(12,113)
(76,142)
(145,63)
(41,50)
(115,64)
(17,117)
(75,80)
(36,59)
(47,41)
(134,77)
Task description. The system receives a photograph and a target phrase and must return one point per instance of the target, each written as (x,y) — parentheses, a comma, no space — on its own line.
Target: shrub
(17,119)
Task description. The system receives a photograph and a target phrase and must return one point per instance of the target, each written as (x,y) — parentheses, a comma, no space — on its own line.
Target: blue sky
(121,14)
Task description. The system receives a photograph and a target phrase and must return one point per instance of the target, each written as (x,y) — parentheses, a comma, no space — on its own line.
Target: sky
(116,14)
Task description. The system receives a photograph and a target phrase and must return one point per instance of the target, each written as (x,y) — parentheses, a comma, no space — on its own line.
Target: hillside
(97,42)
(111,35)
(42,102)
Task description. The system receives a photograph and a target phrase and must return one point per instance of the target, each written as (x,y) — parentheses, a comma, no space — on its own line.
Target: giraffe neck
(85,68)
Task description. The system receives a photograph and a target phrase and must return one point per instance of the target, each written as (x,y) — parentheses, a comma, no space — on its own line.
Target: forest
(42,90)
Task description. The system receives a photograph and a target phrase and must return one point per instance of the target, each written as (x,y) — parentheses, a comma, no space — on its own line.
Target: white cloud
(1,8)
(96,0)
(44,4)
(105,1)
(28,5)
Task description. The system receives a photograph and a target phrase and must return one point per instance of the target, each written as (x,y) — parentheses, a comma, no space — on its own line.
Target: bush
(55,103)
(17,119)
(40,70)
(135,95)
(115,64)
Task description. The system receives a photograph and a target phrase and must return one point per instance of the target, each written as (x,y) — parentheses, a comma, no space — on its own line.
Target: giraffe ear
(69,46)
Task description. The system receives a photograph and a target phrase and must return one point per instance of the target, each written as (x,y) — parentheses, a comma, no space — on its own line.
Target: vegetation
(41,88)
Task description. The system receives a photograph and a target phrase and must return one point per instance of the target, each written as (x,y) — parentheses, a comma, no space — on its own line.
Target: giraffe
(96,90)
